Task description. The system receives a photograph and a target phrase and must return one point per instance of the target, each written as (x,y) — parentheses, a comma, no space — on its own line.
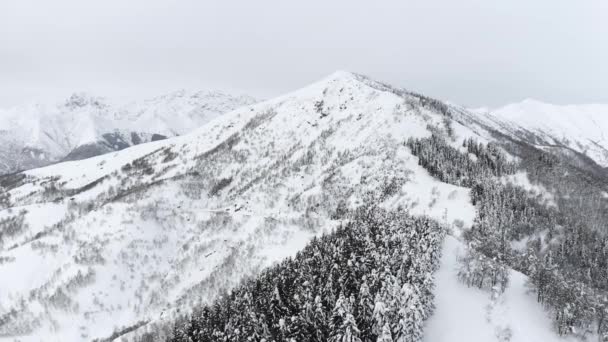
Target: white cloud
(472,52)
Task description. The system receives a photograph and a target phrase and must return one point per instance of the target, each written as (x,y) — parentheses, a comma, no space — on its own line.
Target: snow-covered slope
(83,126)
(122,241)
(579,128)
(179,112)
(126,237)
(469,314)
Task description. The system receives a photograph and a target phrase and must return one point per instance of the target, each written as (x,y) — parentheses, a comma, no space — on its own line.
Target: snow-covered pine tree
(277,305)
(365,310)
(385,334)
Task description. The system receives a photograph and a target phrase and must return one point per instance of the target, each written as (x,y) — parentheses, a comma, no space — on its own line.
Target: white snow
(521,180)
(583,128)
(447,203)
(471,315)
(172,244)
(57,129)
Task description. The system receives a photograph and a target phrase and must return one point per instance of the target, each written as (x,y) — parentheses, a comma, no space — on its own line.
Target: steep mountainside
(119,245)
(85,126)
(103,243)
(572,130)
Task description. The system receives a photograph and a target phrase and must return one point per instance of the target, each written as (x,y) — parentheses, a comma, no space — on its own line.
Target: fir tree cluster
(579,189)
(5,199)
(506,213)
(481,271)
(370,280)
(569,271)
(566,261)
(565,258)
(452,166)
(12,225)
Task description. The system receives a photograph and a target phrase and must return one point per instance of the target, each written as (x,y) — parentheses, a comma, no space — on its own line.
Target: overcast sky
(472,52)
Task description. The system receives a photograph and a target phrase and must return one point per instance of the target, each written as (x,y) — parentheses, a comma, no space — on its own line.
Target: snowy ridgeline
(572,128)
(369,280)
(121,245)
(84,126)
(505,213)
(133,236)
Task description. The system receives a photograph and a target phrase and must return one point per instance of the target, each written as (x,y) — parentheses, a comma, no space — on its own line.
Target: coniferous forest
(354,171)
(372,278)
(369,280)
(566,253)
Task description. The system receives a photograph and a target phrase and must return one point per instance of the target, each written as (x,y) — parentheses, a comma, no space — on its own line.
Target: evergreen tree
(385,335)
(365,312)
(278,305)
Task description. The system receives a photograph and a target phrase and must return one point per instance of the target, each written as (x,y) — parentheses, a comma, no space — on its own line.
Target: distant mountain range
(83,126)
(143,244)
(574,130)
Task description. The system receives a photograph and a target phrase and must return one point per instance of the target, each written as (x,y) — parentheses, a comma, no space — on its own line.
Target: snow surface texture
(157,228)
(472,315)
(580,128)
(171,223)
(39,134)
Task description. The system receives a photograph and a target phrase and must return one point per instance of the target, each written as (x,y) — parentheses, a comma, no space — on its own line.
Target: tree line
(369,280)
(565,257)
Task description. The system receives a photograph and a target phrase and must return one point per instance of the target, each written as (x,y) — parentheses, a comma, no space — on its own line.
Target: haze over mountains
(579,128)
(121,245)
(84,125)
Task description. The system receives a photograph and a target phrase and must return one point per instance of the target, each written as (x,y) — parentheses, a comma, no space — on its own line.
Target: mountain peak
(83,99)
(580,128)
(135,238)
(341,75)
(532,101)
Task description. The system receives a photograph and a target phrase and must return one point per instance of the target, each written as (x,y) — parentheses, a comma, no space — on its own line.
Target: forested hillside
(318,215)
(514,229)
(369,280)
(135,238)
(562,250)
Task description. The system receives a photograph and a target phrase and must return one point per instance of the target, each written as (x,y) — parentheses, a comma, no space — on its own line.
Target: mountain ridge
(95,125)
(249,168)
(128,241)
(581,128)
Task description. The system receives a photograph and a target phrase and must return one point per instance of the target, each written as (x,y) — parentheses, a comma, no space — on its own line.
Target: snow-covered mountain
(565,129)
(84,126)
(112,246)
